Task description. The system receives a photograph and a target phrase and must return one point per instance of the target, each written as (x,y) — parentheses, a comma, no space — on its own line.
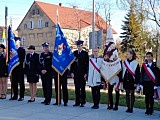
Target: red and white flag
(109,69)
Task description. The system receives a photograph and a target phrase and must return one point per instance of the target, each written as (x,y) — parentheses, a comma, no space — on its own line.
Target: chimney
(75,7)
(60,4)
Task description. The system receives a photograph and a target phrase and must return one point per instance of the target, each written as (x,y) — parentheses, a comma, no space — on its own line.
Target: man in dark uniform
(79,70)
(63,82)
(46,73)
(18,73)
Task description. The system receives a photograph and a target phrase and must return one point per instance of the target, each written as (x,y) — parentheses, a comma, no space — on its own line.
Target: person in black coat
(3,73)
(46,73)
(148,82)
(32,71)
(18,74)
(79,70)
(63,83)
(130,77)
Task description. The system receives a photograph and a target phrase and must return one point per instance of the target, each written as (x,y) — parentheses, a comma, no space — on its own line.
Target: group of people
(130,77)
(83,70)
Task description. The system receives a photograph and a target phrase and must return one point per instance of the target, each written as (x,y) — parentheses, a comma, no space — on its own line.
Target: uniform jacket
(32,65)
(45,60)
(3,65)
(80,66)
(21,55)
(126,75)
(145,77)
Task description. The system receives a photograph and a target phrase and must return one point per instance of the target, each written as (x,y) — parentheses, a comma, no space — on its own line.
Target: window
(37,12)
(33,12)
(25,26)
(40,23)
(23,41)
(46,24)
(31,24)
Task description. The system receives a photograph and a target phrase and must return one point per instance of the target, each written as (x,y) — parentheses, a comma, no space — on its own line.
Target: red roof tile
(72,18)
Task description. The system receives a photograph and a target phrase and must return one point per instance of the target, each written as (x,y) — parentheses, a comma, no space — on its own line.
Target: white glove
(140,86)
(155,87)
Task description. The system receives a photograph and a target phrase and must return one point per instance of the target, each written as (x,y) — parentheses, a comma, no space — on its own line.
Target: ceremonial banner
(111,67)
(62,54)
(13,59)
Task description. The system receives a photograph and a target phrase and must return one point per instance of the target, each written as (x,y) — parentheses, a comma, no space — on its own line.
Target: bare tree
(149,8)
(104,9)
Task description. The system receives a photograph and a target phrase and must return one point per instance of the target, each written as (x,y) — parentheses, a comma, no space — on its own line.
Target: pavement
(22,110)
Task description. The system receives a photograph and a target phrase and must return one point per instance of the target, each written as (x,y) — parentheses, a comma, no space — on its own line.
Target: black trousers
(130,98)
(110,91)
(47,87)
(149,102)
(96,95)
(80,91)
(18,78)
(148,90)
(63,83)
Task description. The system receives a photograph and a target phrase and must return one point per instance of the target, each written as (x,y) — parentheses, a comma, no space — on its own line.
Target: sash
(129,68)
(149,72)
(156,93)
(118,85)
(94,64)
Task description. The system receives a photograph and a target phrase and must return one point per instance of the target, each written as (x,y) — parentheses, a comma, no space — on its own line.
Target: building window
(40,23)
(23,41)
(33,12)
(37,11)
(25,26)
(46,24)
(31,24)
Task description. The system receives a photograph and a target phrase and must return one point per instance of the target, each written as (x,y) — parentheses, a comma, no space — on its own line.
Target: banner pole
(11,86)
(108,97)
(59,87)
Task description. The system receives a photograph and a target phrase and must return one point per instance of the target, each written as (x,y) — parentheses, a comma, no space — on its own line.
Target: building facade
(39,25)
(2,28)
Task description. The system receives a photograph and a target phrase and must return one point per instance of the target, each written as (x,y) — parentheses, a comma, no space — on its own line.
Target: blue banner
(62,54)
(13,59)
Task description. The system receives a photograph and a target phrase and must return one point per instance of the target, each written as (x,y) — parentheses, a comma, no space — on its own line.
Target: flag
(112,66)
(62,54)
(4,38)
(13,59)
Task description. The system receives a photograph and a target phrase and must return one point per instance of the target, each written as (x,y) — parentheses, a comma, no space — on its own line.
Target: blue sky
(18,8)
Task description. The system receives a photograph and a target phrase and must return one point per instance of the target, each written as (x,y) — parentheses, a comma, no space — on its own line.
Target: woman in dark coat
(32,71)
(3,73)
(130,77)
